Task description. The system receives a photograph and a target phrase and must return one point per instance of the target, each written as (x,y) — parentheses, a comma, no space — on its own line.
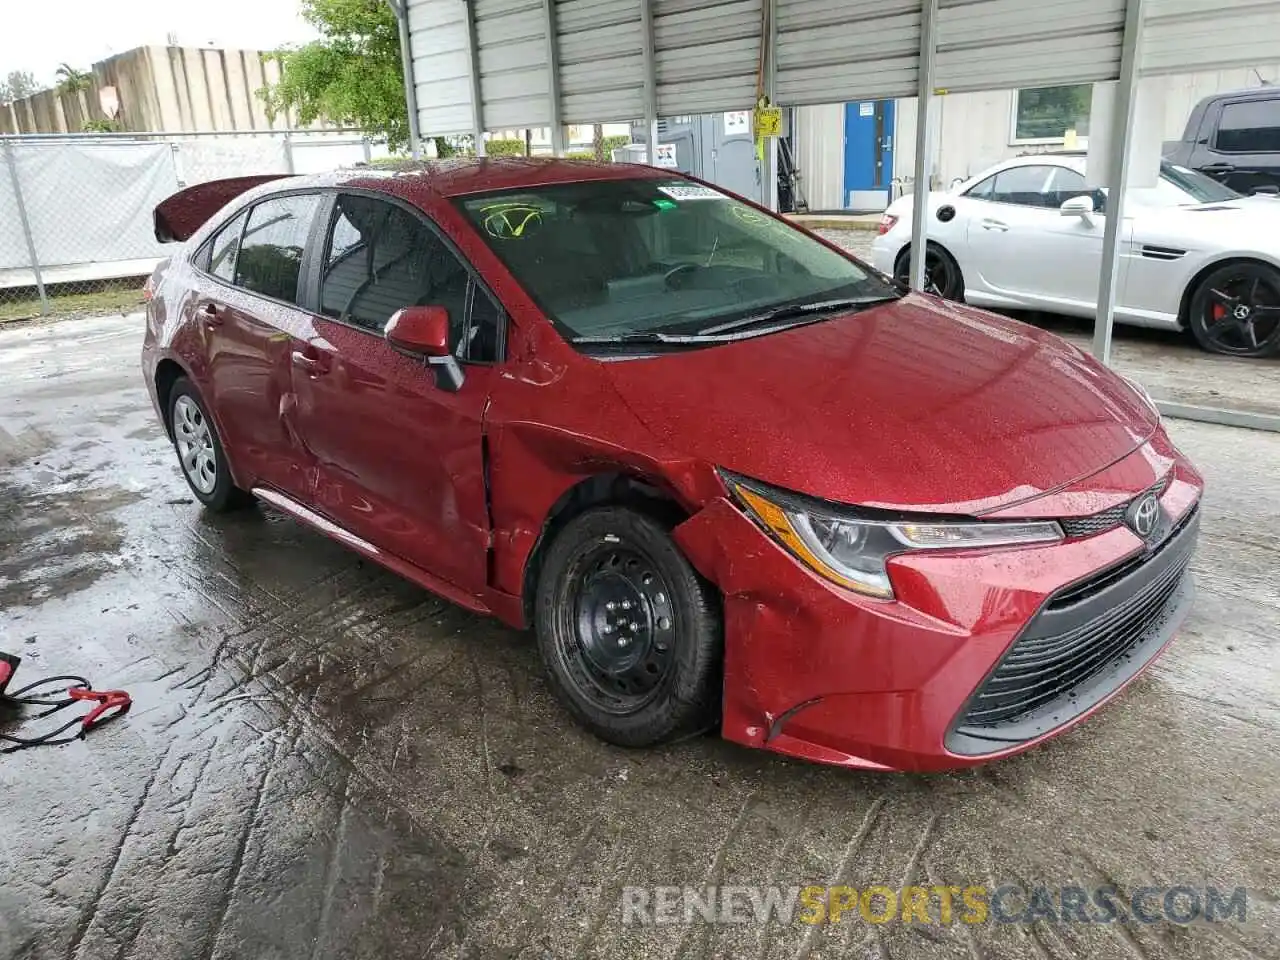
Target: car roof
(1268,91)
(466,175)
(1071,159)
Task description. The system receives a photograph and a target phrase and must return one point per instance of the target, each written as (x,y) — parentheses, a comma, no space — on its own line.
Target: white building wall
(818,139)
(977,131)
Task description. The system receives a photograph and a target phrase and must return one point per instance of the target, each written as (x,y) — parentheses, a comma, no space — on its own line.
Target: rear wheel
(1236,310)
(630,634)
(942,276)
(200,454)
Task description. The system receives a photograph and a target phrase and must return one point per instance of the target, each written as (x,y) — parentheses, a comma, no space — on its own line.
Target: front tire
(630,635)
(942,275)
(200,454)
(1236,310)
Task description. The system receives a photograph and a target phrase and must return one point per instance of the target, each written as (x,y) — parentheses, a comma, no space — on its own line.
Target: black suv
(1235,138)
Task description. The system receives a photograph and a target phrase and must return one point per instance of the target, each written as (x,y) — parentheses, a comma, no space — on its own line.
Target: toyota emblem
(1143,515)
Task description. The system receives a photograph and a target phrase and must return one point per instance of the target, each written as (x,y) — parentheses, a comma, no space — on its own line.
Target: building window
(1043,114)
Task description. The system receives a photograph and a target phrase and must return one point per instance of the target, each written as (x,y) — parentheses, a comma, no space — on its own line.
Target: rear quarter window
(222,252)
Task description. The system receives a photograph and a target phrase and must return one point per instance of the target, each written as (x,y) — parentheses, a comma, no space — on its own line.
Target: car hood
(914,405)
(1243,223)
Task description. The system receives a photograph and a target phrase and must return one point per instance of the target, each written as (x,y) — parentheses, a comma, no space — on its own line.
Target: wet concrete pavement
(325,761)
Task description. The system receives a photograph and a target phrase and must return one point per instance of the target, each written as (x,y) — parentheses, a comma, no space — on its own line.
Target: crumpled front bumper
(815,671)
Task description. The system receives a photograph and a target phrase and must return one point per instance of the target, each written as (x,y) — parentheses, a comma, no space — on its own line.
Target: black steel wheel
(942,275)
(629,633)
(1236,310)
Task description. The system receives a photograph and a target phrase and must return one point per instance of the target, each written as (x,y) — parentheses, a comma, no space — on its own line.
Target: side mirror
(1078,207)
(1265,190)
(424,332)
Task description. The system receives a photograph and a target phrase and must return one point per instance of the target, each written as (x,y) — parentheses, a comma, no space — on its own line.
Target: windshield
(1180,187)
(630,258)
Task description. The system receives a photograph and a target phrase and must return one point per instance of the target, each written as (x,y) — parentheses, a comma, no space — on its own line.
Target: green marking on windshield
(665,204)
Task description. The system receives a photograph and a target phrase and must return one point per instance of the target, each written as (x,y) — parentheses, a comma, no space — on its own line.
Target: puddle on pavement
(57,541)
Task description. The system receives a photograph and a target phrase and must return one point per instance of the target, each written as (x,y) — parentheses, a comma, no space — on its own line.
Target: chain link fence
(75,211)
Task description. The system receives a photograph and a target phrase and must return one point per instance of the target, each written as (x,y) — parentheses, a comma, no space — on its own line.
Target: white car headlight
(852,551)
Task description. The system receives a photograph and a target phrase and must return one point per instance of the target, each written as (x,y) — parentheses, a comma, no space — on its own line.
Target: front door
(1022,247)
(399,460)
(868,154)
(1244,151)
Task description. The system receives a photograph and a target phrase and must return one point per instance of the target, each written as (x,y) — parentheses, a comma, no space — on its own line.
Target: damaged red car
(731,476)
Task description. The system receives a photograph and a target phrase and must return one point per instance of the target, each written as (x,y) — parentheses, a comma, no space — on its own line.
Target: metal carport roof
(476,65)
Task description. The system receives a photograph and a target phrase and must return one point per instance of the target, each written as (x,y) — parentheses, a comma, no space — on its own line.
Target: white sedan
(1027,233)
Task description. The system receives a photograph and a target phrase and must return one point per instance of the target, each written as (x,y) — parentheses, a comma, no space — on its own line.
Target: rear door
(246,307)
(399,460)
(1244,151)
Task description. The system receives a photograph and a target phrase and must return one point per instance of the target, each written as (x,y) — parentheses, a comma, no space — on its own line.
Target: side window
(1251,126)
(271,251)
(1024,186)
(1065,184)
(224,250)
(982,189)
(380,257)
(485,330)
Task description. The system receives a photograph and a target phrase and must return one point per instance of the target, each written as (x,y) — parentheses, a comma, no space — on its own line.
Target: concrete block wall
(161,89)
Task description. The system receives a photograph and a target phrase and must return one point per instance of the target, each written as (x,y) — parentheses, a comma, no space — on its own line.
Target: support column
(401,10)
(25,224)
(924,142)
(1118,177)
(650,80)
(473,56)
(553,79)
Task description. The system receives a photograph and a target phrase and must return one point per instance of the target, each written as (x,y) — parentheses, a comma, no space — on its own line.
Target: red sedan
(731,475)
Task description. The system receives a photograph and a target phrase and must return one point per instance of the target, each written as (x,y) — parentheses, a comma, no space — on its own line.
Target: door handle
(1217,168)
(995,225)
(211,315)
(311,365)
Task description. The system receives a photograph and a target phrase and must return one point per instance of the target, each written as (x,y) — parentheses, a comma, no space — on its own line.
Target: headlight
(852,551)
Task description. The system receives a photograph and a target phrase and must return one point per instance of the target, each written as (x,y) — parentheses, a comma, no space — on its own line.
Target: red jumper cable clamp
(49,694)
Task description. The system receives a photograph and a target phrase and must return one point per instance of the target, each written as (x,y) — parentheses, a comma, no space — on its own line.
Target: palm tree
(71,80)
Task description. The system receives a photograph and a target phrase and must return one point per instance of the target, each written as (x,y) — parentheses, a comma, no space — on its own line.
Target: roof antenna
(1262,80)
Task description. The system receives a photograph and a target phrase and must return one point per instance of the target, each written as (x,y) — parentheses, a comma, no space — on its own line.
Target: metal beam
(400,9)
(1118,177)
(553,78)
(1222,416)
(770,192)
(924,142)
(25,223)
(650,79)
(473,57)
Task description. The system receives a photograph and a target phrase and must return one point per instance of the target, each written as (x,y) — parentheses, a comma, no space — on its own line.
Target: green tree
(18,84)
(351,76)
(71,80)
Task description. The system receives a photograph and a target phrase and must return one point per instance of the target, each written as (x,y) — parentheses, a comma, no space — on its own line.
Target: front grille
(1084,643)
(1075,527)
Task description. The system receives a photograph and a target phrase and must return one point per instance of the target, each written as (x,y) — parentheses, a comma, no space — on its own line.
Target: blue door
(868,154)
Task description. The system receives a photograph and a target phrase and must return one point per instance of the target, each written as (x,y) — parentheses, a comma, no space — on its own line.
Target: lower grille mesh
(1043,668)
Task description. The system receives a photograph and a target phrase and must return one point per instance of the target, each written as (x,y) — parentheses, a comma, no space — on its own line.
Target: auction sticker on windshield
(690,191)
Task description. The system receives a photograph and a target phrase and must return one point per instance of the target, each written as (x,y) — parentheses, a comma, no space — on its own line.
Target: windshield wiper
(793,311)
(646,337)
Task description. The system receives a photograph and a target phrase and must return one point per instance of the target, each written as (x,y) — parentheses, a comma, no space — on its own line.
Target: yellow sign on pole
(768,121)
